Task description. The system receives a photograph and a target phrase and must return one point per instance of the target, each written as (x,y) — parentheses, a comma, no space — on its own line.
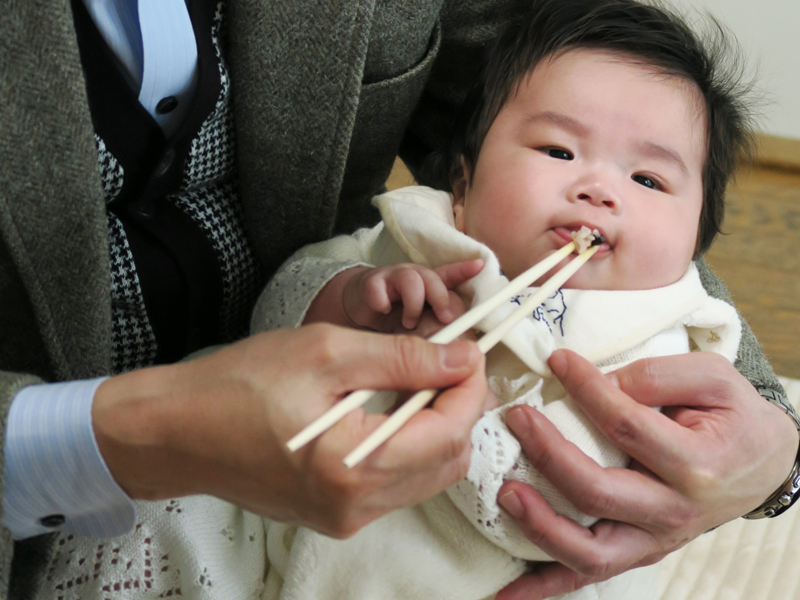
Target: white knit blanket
(434,550)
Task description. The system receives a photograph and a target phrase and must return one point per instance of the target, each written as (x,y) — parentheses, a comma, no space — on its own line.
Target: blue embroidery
(540,316)
(559,311)
(551,310)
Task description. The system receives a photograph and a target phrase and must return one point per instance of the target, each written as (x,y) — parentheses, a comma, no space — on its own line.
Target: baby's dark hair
(650,35)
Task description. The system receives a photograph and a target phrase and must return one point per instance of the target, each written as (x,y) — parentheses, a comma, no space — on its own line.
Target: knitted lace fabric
(197,547)
(497,456)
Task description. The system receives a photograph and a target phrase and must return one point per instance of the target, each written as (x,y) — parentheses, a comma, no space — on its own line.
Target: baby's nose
(597,192)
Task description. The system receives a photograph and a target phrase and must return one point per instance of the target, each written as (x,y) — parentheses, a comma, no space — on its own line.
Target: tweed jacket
(324,96)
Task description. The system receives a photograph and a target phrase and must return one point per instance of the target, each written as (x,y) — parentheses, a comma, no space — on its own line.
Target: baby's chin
(589,277)
(588,281)
(595,277)
(604,275)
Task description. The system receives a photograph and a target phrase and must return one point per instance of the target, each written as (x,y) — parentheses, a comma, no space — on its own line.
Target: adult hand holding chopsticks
(241,404)
(717,451)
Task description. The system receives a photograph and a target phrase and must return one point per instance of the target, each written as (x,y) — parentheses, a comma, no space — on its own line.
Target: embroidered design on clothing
(541,315)
(557,308)
(550,311)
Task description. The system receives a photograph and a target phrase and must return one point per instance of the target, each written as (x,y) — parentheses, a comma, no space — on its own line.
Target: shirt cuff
(55,477)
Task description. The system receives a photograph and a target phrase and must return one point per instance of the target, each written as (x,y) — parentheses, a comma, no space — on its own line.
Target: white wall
(768,32)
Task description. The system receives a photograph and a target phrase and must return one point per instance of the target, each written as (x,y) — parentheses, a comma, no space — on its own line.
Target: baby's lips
(604,247)
(565,233)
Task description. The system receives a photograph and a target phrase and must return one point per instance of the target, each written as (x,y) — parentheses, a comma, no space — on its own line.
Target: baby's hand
(368,297)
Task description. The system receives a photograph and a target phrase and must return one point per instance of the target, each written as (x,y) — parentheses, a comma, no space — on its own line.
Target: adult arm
(218,425)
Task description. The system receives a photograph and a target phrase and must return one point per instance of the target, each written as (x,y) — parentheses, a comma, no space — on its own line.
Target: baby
(606,114)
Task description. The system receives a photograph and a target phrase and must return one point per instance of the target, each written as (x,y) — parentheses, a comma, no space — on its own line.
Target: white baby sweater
(459,544)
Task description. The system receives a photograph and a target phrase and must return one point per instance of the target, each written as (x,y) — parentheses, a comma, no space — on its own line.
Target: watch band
(788,493)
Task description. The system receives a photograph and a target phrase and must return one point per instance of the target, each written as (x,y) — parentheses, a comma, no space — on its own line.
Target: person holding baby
(310,106)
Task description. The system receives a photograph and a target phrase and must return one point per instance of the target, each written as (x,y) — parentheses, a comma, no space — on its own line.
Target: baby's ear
(460,185)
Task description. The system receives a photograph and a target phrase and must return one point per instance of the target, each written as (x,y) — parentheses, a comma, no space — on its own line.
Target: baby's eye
(559,153)
(646,181)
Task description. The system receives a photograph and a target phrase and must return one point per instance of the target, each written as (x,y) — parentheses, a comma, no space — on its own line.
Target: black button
(52,521)
(166,162)
(166,105)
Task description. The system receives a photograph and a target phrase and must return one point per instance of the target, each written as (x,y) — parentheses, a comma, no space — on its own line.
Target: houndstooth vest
(207,194)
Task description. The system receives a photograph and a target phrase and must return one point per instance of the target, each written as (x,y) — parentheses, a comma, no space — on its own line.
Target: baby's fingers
(408,285)
(457,273)
(438,282)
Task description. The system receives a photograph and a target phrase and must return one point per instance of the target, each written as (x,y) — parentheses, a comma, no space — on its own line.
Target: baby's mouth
(584,235)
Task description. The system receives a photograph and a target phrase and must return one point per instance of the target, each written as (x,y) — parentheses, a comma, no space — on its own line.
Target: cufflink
(52,521)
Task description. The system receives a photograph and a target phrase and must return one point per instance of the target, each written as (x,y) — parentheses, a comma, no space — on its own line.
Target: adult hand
(219,425)
(715,452)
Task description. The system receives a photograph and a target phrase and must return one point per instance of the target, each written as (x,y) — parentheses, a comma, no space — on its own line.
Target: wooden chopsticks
(444,336)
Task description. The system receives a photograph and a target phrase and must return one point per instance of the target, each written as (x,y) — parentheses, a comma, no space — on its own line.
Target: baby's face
(592,139)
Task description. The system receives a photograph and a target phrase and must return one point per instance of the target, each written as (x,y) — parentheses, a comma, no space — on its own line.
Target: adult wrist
(129,416)
(789,491)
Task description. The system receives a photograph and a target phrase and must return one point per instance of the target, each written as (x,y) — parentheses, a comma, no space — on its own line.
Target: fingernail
(456,356)
(518,423)
(512,505)
(558,363)
(612,377)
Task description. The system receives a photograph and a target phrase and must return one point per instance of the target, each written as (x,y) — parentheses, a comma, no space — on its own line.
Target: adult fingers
(350,360)
(696,379)
(656,441)
(548,580)
(599,552)
(633,496)
(430,452)
(440,434)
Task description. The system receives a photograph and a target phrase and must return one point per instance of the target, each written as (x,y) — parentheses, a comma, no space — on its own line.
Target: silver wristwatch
(789,492)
